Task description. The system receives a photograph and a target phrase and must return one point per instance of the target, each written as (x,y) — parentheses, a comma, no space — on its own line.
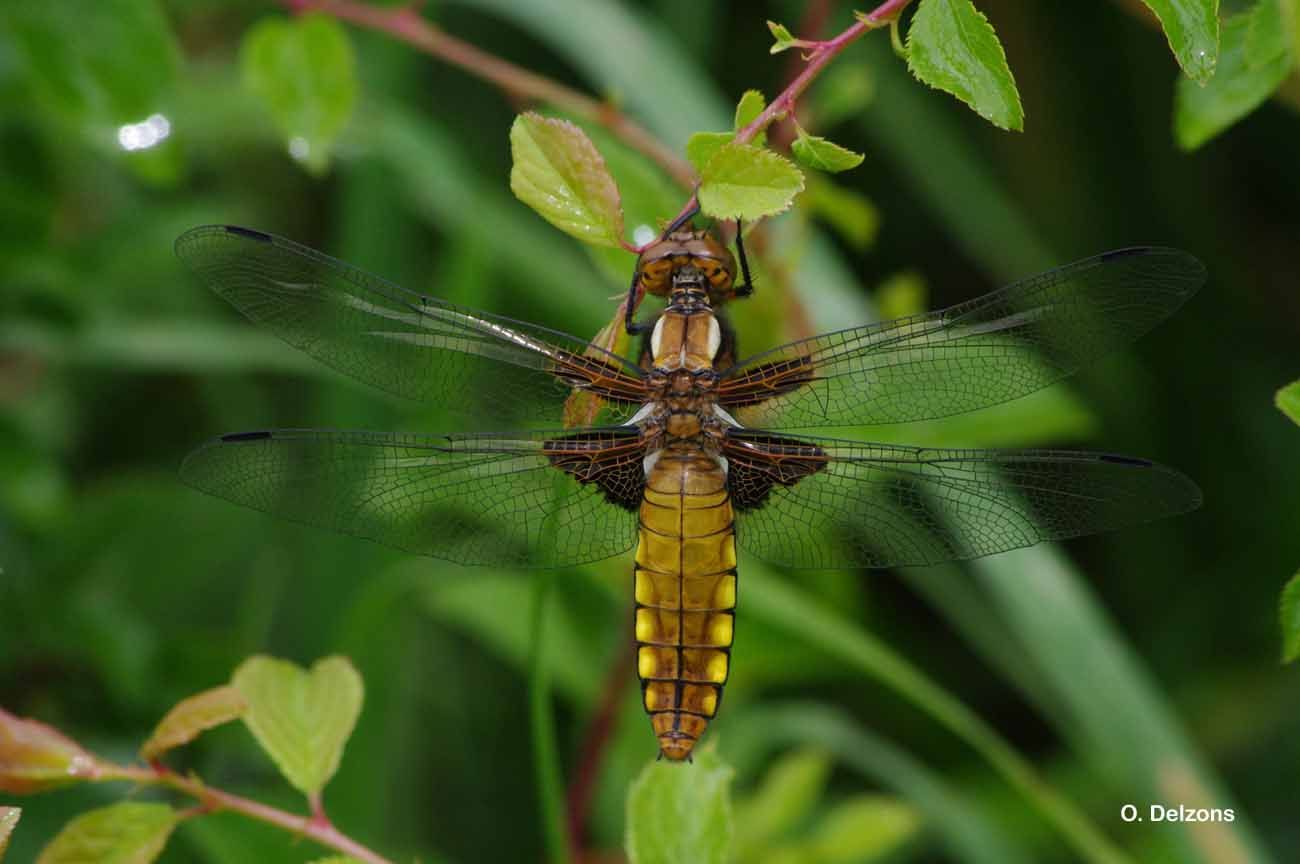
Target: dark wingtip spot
(245,436)
(1125,253)
(260,236)
(1127,460)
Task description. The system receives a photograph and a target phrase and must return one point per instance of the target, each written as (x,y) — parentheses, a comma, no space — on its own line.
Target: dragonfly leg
(628,324)
(745,288)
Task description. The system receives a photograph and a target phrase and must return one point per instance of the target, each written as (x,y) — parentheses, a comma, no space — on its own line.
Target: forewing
(821,502)
(992,349)
(528,499)
(405,343)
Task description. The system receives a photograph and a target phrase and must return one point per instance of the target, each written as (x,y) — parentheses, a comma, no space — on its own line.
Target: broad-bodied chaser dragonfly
(687,466)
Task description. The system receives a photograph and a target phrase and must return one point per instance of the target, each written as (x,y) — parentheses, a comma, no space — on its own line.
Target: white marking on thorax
(725,417)
(722,462)
(715,337)
(645,411)
(648,463)
(657,336)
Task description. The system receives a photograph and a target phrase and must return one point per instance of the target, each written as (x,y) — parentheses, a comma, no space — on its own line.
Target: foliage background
(123,591)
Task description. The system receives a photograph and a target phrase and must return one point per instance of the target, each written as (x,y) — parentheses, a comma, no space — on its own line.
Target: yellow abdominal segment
(685,585)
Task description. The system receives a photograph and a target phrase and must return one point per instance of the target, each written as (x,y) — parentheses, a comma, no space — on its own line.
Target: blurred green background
(1139,667)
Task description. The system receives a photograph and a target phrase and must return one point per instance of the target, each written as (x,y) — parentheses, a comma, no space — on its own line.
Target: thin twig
(405,23)
(315,827)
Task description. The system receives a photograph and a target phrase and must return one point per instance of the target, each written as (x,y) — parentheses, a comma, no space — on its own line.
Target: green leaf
(784,39)
(865,828)
(559,173)
(304,71)
(1266,35)
(302,719)
(789,791)
(1288,401)
(751,104)
(75,61)
(1289,612)
(125,833)
(192,716)
(952,47)
(35,757)
(681,812)
(1192,28)
(9,817)
(703,146)
(821,155)
(742,181)
(848,211)
(1240,85)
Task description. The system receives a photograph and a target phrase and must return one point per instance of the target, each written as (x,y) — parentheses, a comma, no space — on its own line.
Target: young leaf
(9,817)
(742,181)
(559,173)
(783,37)
(1288,401)
(865,828)
(681,813)
(1289,612)
(1192,28)
(1240,85)
(751,104)
(192,716)
(127,833)
(301,718)
(787,794)
(703,146)
(35,757)
(952,47)
(822,155)
(305,72)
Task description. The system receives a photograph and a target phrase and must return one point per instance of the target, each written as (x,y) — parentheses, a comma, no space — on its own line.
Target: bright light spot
(142,136)
(299,148)
(643,234)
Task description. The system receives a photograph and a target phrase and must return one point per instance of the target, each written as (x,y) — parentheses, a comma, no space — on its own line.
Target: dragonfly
(698,450)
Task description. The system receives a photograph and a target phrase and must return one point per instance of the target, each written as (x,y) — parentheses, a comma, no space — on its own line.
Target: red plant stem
(596,744)
(822,54)
(316,827)
(405,23)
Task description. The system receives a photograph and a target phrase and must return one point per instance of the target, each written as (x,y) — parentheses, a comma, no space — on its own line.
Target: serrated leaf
(1288,401)
(558,172)
(865,828)
(751,104)
(786,795)
(301,718)
(125,833)
(1192,28)
(784,39)
(821,155)
(9,817)
(1289,613)
(1239,86)
(35,757)
(681,812)
(703,146)
(192,716)
(742,181)
(304,71)
(952,47)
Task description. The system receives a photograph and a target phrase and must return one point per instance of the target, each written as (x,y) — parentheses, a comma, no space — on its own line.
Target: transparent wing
(527,499)
(821,502)
(405,343)
(992,349)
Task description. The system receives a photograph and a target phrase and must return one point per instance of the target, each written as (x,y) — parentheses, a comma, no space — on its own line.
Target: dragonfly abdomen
(685,587)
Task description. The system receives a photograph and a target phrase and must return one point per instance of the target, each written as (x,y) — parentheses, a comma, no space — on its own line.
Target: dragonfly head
(689,260)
